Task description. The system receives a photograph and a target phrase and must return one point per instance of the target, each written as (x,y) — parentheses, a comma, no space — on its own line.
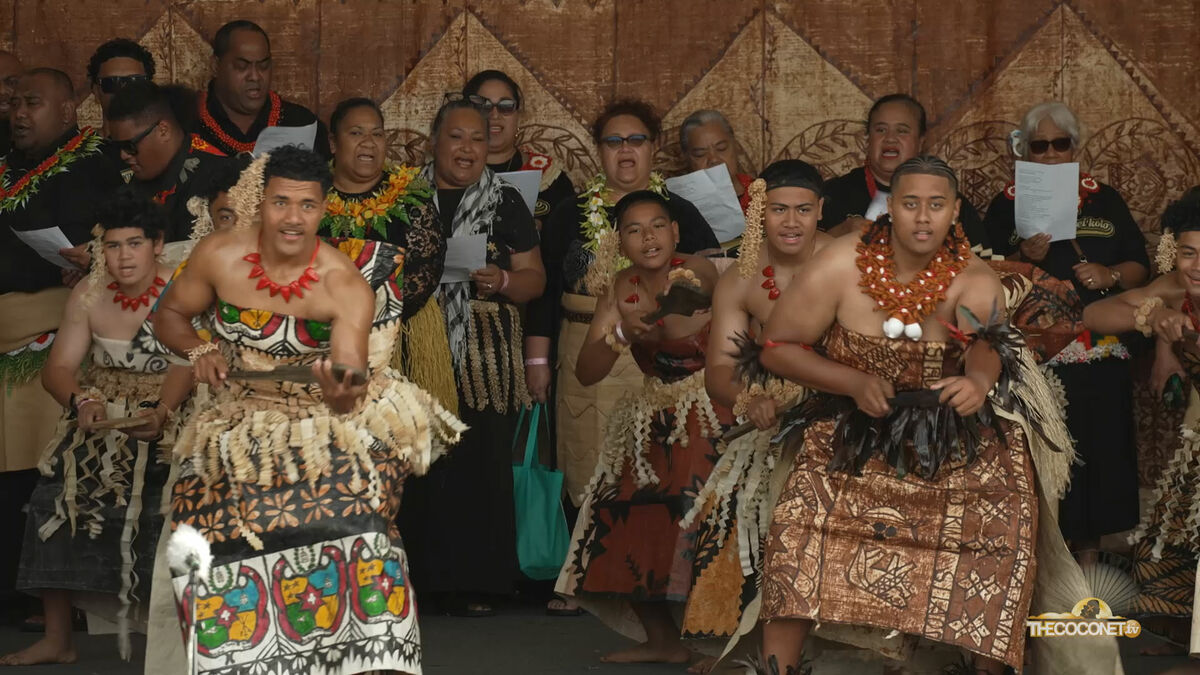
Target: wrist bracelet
(1141,315)
(84,401)
(615,339)
(540,361)
(195,353)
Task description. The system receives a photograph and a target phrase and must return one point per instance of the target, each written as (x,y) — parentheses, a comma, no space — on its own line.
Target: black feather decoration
(746,364)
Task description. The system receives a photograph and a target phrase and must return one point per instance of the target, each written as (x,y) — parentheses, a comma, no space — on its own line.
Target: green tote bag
(542,536)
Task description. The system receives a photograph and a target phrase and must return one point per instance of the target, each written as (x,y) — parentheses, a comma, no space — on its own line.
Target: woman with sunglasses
(625,134)
(458,520)
(1108,255)
(499,96)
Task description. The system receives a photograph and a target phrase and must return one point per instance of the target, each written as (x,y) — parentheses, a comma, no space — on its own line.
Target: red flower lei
(208,121)
(910,303)
(142,300)
(59,158)
(296,288)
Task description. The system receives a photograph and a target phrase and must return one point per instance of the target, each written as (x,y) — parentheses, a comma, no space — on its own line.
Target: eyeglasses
(130,147)
(1061,144)
(615,142)
(113,84)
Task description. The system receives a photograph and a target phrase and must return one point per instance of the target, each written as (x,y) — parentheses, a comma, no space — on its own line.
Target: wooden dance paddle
(298,374)
(121,422)
(917,398)
(681,299)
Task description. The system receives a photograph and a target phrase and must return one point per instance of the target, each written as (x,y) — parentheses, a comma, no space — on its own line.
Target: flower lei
(908,305)
(15,195)
(212,125)
(401,187)
(601,236)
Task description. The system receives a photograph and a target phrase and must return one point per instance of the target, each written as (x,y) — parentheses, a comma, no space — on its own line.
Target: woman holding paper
(500,98)
(458,521)
(1108,254)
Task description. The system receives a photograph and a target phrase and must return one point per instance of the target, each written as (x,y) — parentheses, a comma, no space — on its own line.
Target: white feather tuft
(188,550)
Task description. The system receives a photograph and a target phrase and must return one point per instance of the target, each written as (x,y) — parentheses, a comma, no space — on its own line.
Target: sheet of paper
(878,205)
(1047,199)
(463,256)
(47,243)
(277,137)
(527,182)
(711,192)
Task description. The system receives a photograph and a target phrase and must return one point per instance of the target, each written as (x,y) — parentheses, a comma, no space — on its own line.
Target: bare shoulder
(978,271)
(821,240)
(731,283)
(697,263)
(703,267)
(977,286)
(330,258)
(218,248)
(835,260)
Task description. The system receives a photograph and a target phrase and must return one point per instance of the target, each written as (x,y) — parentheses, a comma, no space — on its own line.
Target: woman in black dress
(1107,255)
(458,520)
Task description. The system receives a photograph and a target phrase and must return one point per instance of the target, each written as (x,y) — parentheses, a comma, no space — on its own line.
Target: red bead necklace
(769,284)
(296,288)
(142,300)
(634,298)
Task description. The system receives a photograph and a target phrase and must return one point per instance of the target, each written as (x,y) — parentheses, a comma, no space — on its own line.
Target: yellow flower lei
(402,187)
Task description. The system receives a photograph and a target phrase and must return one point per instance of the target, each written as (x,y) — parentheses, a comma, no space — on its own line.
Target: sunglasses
(111,85)
(130,147)
(1061,144)
(615,142)
(506,106)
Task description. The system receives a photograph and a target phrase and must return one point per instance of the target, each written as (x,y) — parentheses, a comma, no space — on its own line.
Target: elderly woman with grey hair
(706,140)
(1107,255)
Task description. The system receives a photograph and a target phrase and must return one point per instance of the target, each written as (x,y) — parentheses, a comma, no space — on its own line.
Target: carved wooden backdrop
(795,78)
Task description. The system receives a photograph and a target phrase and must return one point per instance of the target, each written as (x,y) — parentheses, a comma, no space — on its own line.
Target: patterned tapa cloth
(732,532)
(94,517)
(299,503)
(658,451)
(948,559)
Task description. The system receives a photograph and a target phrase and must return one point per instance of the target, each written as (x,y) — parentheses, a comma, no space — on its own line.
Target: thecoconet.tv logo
(1089,617)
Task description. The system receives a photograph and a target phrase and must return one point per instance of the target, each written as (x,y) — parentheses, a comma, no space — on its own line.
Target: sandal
(563,608)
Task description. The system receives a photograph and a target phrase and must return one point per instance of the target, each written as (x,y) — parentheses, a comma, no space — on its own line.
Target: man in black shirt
(55,176)
(896,128)
(168,165)
(116,64)
(239,102)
